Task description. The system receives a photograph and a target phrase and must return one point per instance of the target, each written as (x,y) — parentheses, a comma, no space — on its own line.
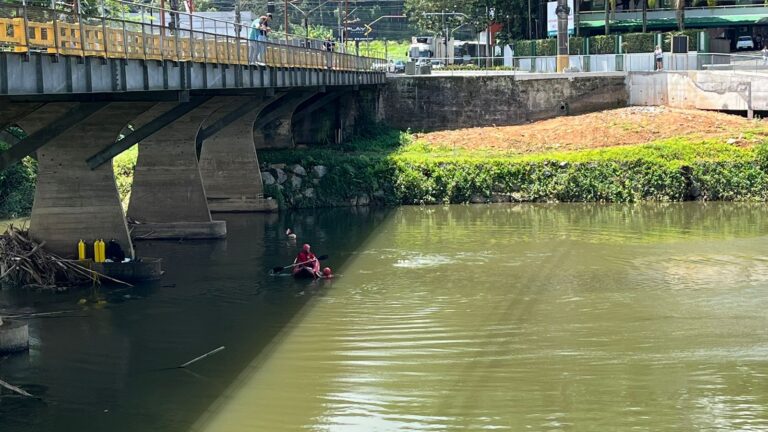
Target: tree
(511,13)
(680,14)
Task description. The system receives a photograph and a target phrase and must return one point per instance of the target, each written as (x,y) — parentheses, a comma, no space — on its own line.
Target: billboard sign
(552,18)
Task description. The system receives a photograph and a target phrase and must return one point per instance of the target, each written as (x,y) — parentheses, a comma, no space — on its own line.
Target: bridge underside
(197,155)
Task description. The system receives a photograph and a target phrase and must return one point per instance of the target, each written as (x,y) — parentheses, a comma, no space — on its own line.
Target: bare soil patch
(625,126)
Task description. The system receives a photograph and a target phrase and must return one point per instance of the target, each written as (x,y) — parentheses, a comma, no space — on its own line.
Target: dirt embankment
(625,126)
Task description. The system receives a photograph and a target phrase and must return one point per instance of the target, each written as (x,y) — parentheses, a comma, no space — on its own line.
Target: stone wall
(425,103)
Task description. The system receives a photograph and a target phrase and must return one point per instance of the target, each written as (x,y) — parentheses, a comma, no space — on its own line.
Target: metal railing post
(216,40)
(191,38)
(104,29)
(143,35)
(125,37)
(55,31)
(162,34)
(237,44)
(205,44)
(226,43)
(26,25)
(176,37)
(81,31)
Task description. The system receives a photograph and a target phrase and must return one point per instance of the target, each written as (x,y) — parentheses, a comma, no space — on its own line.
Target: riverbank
(402,168)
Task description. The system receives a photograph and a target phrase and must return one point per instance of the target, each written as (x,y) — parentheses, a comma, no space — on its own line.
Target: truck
(427,49)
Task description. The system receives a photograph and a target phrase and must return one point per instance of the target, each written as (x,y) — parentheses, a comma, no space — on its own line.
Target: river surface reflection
(510,317)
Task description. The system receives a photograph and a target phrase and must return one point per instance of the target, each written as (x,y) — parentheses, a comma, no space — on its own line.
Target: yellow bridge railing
(132,36)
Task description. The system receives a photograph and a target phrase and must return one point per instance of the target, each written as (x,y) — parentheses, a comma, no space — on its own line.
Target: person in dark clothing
(114,252)
(328,46)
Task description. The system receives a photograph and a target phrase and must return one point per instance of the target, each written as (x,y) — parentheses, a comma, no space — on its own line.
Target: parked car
(399,66)
(437,64)
(745,42)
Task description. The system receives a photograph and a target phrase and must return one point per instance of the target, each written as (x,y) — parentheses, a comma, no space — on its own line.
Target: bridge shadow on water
(108,366)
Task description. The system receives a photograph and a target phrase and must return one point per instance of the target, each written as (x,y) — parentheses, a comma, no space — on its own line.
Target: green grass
(395,50)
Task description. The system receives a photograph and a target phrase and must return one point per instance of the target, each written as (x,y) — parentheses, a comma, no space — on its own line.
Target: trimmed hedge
(602,44)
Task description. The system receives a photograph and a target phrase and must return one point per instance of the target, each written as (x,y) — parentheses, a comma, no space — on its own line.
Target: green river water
(492,317)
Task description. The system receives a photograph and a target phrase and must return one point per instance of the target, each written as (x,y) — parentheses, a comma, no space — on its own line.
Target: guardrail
(135,32)
(598,63)
(601,10)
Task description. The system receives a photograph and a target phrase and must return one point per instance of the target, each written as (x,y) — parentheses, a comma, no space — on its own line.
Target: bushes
(639,43)
(17,187)
(123,166)
(672,170)
(601,44)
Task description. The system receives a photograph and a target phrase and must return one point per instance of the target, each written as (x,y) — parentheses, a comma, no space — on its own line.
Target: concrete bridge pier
(346,116)
(274,126)
(228,162)
(72,201)
(168,199)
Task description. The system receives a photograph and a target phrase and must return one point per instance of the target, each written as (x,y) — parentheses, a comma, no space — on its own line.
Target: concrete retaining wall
(424,103)
(708,90)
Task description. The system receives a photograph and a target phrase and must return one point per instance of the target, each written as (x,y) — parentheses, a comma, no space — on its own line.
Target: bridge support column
(347,114)
(168,199)
(230,167)
(73,202)
(274,127)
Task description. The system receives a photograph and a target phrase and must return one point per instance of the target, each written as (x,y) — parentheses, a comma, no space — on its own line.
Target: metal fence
(136,31)
(601,63)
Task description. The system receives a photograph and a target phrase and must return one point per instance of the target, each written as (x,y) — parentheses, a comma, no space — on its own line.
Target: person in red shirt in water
(307,262)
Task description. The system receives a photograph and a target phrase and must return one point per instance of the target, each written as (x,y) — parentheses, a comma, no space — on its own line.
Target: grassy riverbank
(395,168)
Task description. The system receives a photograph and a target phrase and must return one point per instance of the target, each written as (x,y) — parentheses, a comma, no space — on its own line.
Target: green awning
(721,21)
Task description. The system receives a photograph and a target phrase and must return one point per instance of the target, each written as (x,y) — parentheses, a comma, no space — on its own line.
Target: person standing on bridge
(253,41)
(264,29)
(765,55)
(328,46)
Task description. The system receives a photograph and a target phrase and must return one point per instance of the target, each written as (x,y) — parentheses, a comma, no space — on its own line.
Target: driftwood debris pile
(24,263)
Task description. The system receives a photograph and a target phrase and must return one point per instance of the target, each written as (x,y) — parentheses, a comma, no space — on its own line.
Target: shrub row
(604,44)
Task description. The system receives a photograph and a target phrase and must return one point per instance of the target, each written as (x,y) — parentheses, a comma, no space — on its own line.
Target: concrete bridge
(198,102)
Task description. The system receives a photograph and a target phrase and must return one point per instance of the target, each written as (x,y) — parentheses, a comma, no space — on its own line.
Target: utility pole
(445,39)
(286,22)
(237,17)
(530,35)
(346,18)
(562,12)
